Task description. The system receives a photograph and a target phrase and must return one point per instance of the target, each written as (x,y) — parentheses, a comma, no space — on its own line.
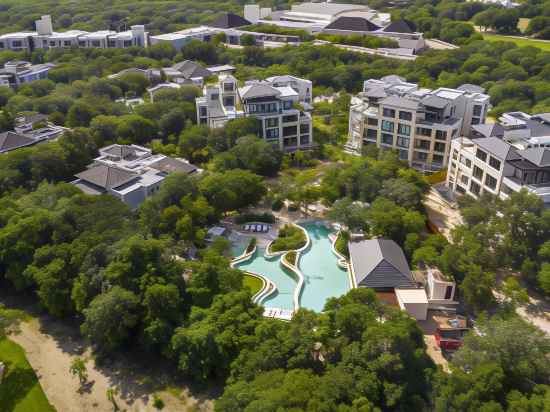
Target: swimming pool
(323,278)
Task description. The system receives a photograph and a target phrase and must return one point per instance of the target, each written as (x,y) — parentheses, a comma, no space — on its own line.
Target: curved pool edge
(342,261)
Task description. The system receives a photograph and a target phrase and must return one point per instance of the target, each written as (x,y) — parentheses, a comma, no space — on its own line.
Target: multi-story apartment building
(504,162)
(16,72)
(45,38)
(420,123)
(279,103)
(129,173)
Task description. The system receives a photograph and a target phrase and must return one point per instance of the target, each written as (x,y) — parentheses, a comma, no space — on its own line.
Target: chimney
(44,26)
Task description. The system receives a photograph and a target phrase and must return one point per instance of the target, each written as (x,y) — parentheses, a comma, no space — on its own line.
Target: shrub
(255,217)
(290,238)
(341,244)
(277,205)
(290,257)
(251,245)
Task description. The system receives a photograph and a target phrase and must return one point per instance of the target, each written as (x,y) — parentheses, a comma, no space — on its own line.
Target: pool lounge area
(322,277)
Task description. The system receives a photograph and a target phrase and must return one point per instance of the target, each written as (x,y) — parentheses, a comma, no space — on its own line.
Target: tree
(136,129)
(477,289)
(351,214)
(80,115)
(112,393)
(110,319)
(78,368)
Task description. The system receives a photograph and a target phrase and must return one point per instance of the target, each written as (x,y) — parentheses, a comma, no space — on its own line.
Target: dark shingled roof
(379,263)
(537,155)
(123,151)
(190,69)
(399,26)
(352,24)
(107,177)
(230,20)
(171,165)
(11,141)
(435,101)
(489,129)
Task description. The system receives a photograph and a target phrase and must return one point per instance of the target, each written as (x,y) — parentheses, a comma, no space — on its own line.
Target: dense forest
(114,270)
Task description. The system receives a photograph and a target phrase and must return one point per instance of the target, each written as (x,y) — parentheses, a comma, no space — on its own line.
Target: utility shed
(413,301)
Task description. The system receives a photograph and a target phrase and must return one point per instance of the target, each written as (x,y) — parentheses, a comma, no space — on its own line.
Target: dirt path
(50,354)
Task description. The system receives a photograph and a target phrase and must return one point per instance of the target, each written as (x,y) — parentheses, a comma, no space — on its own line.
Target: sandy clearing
(50,354)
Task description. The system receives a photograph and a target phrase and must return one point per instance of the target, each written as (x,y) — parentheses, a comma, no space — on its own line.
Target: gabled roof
(400,102)
(171,165)
(230,20)
(537,155)
(375,92)
(190,69)
(258,90)
(11,141)
(352,24)
(489,129)
(31,118)
(121,150)
(379,263)
(399,26)
(497,147)
(472,88)
(107,177)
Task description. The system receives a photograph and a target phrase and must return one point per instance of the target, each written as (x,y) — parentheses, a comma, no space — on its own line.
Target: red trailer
(450,331)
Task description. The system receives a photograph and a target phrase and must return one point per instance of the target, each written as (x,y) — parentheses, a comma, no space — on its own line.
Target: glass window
(17,43)
(387,139)
(291,118)
(290,131)
(372,122)
(455,154)
(304,128)
(371,134)
(228,87)
(1,44)
(441,134)
(404,129)
(202,111)
(272,122)
(388,112)
(387,126)
(480,154)
(272,133)
(475,120)
(465,161)
(437,159)
(287,104)
(494,163)
(477,110)
(424,131)
(403,141)
(304,139)
(67,43)
(422,144)
(464,179)
(405,116)
(404,154)
(216,96)
(229,101)
(420,156)
(490,181)
(440,147)
(478,173)
(475,188)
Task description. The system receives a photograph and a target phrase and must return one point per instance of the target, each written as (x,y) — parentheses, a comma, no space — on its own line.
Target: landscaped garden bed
(290,238)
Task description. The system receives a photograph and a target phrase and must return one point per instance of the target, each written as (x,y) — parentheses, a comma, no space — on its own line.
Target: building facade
(501,165)
(419,123)
(279,103)
(17,72)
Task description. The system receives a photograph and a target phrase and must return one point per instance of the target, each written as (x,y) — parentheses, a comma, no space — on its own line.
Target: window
(404,154)
(403,141)
(387,126)
(490,181)
(229,101)
(441,134)
(423,131)
(464,179)
(372,122)
(437,159)
(388,112)
(228,87)
(440,147)
(96,43)
(422,144)
(454,132)
(387,139)
(304,139)
(1,44)
(17,43)
(477,110)
(475,120)
(494,163)
(290,131)
(52,43)
(405,116)
(480,154)
(455,154)
(293,141)
(420,156)
(272,122)
(202,111)
(460,189)
(404,129)
(478,173)
(272,134)
(287,104)
(216,96)
(448,292)
(475,188)
(67,43)
(371,134)
(304,128)
(290,119)
(465,161)
(112,43)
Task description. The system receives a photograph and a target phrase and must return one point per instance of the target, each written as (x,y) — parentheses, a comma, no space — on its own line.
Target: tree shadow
(86,387)
(17,383)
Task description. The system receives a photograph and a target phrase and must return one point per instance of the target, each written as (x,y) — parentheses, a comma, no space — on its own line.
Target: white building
(180,38)
(420,123)
(17,72)
(274,102)
(129,173)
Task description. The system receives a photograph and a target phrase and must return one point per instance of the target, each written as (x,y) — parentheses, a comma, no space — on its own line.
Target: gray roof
(31,118)
(107,177)
(536,124)
(537,155)
(393,78)
(190,69)
(400,102)
(472,88)
(497,147)
(545,117)
(379,263)
(435,101)
(11,141)
(399,26)
(122,151)
(489,129)
(258,90)
(350,23)
(376,92)
(171,165)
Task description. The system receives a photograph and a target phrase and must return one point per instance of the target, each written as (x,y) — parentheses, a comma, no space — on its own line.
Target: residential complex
(130,173)
(45,38)
(17,72)
(503,158)
(29,130)
(280,103)
(420,123)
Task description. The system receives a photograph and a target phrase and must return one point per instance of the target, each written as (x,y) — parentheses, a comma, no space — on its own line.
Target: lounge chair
(246,227)
(265,228)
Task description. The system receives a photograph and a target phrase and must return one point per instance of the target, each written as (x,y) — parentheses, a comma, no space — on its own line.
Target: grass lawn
(520,42)
(20,390)
(253,283)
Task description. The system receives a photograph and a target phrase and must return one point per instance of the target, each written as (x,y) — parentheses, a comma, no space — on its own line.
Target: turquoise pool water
(270,268)
(323,278)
